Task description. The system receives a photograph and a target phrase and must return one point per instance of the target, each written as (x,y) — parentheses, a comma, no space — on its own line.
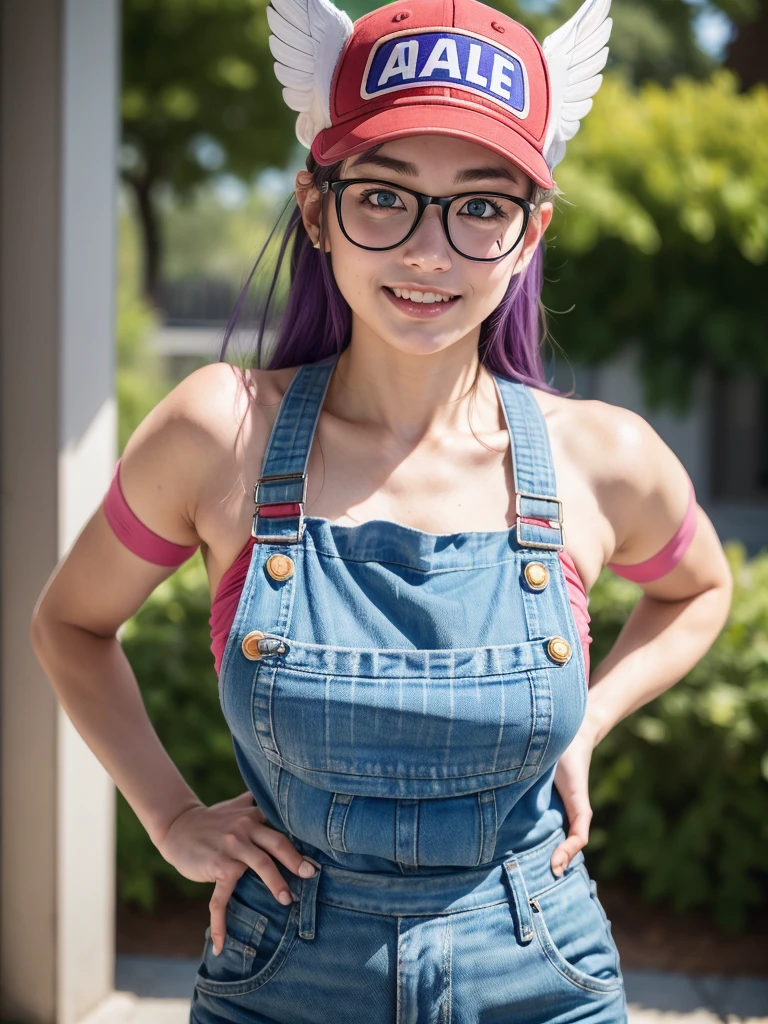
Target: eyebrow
(409,169)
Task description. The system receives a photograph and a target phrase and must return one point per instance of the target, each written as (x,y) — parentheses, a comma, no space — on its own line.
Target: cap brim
(460,122)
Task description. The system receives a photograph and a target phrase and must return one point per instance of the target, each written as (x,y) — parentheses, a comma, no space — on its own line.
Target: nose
(428,247)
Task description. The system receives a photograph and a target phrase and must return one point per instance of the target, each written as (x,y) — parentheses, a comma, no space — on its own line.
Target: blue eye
(481,209)
(384,200)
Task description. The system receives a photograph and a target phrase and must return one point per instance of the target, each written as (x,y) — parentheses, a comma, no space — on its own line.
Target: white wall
(58,124)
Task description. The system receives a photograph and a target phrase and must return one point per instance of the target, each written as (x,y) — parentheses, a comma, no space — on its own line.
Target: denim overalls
(398,702)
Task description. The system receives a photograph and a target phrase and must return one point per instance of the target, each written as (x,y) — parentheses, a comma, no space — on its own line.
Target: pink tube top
(150,546)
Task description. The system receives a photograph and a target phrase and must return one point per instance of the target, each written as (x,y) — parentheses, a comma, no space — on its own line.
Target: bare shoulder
(617,450)
(179,474)
(638,482)
(635,474)
(193,444)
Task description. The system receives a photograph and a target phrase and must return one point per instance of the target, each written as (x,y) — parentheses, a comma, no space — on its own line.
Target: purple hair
(317,321)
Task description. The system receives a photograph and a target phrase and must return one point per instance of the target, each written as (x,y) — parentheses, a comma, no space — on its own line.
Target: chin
(421,343)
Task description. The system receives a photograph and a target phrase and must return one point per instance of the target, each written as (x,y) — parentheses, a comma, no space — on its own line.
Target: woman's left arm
(675,621)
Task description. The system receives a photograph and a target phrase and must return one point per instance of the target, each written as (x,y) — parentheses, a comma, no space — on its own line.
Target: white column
(59,73)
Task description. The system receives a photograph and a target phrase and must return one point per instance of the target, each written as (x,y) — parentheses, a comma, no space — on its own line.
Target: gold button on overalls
(536,575)
(250,644)
(280,567)
(559,649)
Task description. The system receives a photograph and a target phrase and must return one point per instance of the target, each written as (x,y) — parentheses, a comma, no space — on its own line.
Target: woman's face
(437,165)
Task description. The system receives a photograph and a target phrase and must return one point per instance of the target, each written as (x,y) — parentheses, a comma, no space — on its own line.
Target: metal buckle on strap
(550,546)
(284,509)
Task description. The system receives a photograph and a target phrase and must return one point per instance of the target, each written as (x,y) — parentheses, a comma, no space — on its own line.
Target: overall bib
(398,702)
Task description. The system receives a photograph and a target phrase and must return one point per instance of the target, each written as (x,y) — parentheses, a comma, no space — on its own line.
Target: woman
(399,629)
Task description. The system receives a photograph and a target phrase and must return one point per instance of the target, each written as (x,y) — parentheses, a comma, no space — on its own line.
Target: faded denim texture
(405,740)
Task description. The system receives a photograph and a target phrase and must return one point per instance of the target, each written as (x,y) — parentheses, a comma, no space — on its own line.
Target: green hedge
(678,788)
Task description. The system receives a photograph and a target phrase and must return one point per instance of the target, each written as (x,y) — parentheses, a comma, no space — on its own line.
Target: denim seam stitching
(300,670)
(273,965)
(570,973)
(549,731)
(430,913)
(419,778)
(413,568)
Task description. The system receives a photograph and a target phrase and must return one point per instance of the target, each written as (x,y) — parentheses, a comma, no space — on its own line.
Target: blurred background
(656,288)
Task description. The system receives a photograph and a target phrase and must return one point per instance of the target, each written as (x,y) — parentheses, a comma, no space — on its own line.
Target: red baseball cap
(444,67)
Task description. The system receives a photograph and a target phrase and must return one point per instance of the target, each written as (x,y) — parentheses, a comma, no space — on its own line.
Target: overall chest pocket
(409,724)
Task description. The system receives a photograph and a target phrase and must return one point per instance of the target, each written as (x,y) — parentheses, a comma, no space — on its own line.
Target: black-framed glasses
(380,215)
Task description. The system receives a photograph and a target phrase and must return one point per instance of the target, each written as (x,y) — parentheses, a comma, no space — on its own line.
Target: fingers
(222,890)
(257,846)
(280,847)
(239,856)
(250,842)
(578,837)
(572,783)
(245,800)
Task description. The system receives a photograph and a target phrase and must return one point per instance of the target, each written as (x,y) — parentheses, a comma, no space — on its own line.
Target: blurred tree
(651,39)
(662,241)
(140,381)
(746,54)
(199,98)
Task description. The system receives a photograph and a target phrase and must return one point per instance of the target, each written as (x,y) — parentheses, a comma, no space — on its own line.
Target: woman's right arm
(168,464)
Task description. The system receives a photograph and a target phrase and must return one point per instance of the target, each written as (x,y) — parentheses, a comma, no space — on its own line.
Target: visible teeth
(414,296)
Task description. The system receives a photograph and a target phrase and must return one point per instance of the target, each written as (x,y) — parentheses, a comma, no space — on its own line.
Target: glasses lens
(377,215)
(485,226)
(481,225)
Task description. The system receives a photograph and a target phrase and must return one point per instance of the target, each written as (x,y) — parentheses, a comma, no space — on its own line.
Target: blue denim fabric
(405,737)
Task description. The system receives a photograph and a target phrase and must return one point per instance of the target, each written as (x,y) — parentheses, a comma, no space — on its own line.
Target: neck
(414,396)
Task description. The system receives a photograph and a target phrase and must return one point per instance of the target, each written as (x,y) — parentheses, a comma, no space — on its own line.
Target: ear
(310,203)
(537,225)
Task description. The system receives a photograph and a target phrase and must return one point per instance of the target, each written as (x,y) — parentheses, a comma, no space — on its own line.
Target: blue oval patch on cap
(408,60)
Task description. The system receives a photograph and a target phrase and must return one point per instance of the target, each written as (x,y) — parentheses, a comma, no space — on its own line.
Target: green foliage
(140,382)
(678,788)
(206,239)
(209,242)
(652,40)
(200,99)
(199,96)
(666,240)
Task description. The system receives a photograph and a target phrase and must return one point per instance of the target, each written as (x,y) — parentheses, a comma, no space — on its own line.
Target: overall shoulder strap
(532,466)
(281,490)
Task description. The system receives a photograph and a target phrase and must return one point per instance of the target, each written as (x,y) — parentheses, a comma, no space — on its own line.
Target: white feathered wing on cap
(307,39)
(575,54)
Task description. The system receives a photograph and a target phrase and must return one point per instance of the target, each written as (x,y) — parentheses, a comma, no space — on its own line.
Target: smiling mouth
(424,297)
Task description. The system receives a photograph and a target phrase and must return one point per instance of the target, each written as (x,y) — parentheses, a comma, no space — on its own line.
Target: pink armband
(137,537)
(671,554)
